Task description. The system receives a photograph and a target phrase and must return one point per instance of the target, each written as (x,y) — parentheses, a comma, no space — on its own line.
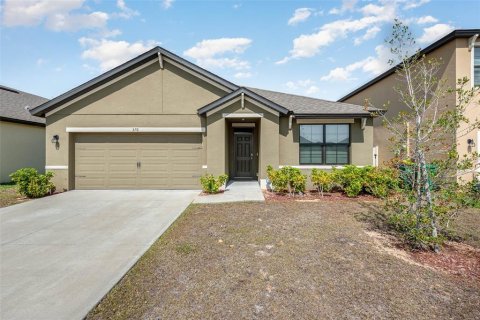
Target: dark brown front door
(243,154)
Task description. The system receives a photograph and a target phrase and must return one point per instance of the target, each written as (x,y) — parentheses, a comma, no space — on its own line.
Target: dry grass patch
(9,195)
(281,260)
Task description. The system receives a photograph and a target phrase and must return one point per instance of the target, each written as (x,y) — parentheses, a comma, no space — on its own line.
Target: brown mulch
(282,260)
(457,259)
(314,195)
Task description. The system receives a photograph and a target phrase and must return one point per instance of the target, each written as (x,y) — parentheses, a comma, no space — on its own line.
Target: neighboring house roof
(281,102)
(463,33)
(300,105)
(13,104)
(248,93)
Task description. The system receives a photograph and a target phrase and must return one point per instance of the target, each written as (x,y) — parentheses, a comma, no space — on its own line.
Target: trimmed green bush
(322,180)
(287,179)
(210,184)
(33,184)
(353,180)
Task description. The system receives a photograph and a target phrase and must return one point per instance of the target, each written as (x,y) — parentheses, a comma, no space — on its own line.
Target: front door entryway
(243,155)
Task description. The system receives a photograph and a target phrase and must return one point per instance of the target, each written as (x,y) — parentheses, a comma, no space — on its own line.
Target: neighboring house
(460,53)
(22,136)
(160,122)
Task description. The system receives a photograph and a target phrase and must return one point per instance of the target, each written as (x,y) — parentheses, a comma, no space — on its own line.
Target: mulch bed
(314,196)
(457,259)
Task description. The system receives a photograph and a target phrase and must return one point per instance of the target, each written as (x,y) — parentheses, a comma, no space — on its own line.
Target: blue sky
(322,49)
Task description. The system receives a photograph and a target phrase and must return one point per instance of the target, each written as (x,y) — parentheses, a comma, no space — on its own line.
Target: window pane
(337,133)
(317,134)
(311,134)
(331,134)
(331,155)
(476,59)
(337,154)
(343,133)
(305,154)
(305,134)
(316,154)
(476,75)
(342,154)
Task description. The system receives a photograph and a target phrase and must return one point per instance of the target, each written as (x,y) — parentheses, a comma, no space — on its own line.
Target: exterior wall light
(471,143)
(55,138)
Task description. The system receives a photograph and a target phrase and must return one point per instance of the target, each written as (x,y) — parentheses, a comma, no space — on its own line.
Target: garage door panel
(167,161)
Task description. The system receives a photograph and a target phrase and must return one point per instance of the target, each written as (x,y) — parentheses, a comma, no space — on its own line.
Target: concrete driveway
(61,254)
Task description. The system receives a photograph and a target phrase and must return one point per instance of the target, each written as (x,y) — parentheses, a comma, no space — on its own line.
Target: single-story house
(22,135)
(159,121)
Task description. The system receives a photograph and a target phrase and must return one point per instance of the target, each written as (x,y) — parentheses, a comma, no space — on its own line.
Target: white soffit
(138,129)
(243,115)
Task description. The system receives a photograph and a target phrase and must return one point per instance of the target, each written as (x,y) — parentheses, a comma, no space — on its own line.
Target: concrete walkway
(61,254)
(236,191)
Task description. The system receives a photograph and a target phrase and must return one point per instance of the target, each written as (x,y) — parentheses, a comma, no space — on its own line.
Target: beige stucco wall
(360,147)
(21,146)
(217,140)
(150,97)
(472,110)
(382,95)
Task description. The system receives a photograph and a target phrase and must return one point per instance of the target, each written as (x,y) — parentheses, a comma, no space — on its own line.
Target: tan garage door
(138,161)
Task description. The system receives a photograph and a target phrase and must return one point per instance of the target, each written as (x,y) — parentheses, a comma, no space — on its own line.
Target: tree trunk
(429,200)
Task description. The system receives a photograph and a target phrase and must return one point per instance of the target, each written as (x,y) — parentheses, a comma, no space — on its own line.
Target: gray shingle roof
(13,103)
(306,105)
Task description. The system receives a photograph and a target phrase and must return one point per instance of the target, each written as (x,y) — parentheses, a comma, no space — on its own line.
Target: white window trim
(138,129)
(56,167)
(476,46)
(324,167)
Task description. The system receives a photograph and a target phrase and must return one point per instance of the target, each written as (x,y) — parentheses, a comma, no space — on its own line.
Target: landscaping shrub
(322,180)
(349,179)
(210,184)
(33,184)
(287,179)
(353,180)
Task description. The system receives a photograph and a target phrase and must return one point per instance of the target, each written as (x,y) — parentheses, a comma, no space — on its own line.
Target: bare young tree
(425,135)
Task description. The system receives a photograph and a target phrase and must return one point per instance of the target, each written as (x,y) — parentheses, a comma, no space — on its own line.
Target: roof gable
(157,53)
(237,93)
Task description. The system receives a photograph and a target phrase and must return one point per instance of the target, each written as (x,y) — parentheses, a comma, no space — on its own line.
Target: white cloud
(242,75)
(167,3)
(56,15)
(70,22)
(211,53)
(371,65)
(414,4)
(41,62)
(125,12)
(109,53)
(308,45)
(307,87)
(347,5)
(426,19)
(369,34)
(434,32)
(300,15)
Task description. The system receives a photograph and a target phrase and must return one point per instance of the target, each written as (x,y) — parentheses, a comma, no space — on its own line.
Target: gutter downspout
(471,42)
(290,120)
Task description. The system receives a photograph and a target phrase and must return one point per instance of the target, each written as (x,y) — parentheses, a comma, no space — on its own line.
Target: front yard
(9,195)
(284,260)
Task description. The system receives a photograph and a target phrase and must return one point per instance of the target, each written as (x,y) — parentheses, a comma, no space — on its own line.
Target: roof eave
(21,121)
